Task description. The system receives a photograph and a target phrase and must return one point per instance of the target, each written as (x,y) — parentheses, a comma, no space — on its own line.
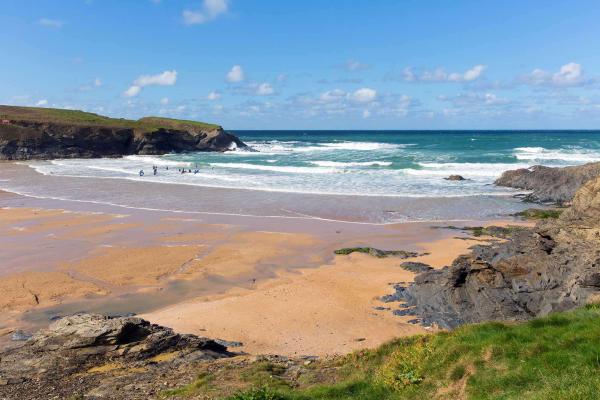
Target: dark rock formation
(455,178)
(93,356)
(550,184)
(416,267)
(552,267)
(377,252)
(41,134)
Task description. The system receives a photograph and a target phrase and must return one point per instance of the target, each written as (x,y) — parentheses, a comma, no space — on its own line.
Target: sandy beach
(273,285)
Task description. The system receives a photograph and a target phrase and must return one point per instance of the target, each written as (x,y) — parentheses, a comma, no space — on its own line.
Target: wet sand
(272,284)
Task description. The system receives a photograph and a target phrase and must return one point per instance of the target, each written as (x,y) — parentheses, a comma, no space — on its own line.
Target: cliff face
(35,136)
(552,267)
(550,184)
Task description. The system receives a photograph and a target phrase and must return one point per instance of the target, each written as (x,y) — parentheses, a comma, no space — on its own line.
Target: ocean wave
(363,146)
(286,147)
(468,170)
(568,155)
(337,164)
(156,160)
(271,168)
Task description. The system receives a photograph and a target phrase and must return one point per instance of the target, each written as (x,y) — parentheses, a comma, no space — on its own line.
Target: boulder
(554,266)
(455,178)
(88,354)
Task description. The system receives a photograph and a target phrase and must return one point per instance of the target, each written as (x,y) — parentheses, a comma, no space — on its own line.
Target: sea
(383,169)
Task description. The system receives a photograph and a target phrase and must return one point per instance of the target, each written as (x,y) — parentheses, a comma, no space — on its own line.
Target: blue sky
(412,64)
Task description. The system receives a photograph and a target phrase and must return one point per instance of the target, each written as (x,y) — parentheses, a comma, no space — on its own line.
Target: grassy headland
(81,118)
(554,357)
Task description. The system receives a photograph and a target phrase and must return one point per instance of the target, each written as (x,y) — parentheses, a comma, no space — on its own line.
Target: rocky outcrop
(93,356)
(455,178)
(554,266)
(550,184)
(39,134)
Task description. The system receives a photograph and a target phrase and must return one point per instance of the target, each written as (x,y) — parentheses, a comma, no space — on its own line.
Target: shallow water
(354,176)
(391,163)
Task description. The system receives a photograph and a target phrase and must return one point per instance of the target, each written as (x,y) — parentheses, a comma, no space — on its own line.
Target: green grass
(75,117)
(536,213)
(556,357)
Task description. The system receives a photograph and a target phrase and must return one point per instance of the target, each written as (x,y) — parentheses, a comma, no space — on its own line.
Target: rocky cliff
(550,184)
(35,133)
(552,267)
(96,357)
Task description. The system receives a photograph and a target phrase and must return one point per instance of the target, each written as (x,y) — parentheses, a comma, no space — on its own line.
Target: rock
(554,266)
(228,343)
(550,184)
(93,347)
(376,252)
(20,336)
(416,267)
(455,178)
(398,295)
(40,134)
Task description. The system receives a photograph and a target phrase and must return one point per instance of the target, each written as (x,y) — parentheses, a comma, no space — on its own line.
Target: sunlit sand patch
(244,251)
(28,290)
(135,265)
(320,311)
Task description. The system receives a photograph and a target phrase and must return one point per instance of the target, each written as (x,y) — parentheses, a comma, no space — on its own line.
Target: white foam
(363,146)
(351,164)
(573,155)
(284,169)
(467,170)
(286,147)
(156,160)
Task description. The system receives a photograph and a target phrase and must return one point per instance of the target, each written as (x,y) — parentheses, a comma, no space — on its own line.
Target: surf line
(300,217)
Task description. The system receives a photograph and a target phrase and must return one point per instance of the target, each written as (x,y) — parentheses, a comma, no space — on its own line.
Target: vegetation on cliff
(82,118)
(557,357)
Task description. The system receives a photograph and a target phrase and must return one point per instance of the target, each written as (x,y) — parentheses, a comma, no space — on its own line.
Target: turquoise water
(359,163)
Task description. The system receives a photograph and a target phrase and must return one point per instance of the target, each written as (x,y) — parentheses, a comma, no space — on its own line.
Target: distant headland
(46,133)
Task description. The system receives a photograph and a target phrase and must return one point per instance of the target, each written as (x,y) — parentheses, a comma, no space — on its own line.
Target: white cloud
(264,89)
(214,95)
(570,74)
(166,78)
(474,73)
(236,74)
(42,103)
(364,95)
(440,75)
(96,83)
(164,101)
(209,11)
(474,99)
(332,95)
(354,65)
(132,91)
(51,23)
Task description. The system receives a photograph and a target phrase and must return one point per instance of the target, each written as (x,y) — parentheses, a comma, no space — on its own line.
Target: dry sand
(322,311)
